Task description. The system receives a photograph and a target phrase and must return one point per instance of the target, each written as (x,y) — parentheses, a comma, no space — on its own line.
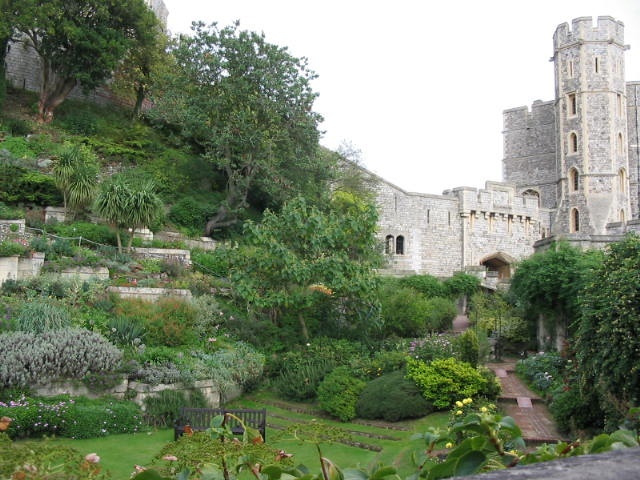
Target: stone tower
(592,166)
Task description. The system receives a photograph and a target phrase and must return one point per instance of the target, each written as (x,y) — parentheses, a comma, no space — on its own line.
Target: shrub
(211,262)
(404,312)
(427,285)
(102,417)
(9,248)
(162,410)
(191,214)
(443,381)
(542,371)
(467,347)
(392,397)
(10,213)
(70,353)
(432,347)
(17,127)
(77,417)
(302,381)
(573,412)
(338,393)
(125,332)
(93,232)
(462,284)
(42,314)
(79,122)
(381,363)
(19,184)
(45,460)
(440,314)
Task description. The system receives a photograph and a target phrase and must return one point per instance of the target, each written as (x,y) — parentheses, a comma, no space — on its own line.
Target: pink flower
(92,458)
(170,458)
(213,339)
(139,468)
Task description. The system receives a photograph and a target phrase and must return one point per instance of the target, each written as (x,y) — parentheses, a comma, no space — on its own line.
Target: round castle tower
(592,159)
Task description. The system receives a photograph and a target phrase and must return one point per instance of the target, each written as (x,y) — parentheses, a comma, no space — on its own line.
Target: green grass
(119,453)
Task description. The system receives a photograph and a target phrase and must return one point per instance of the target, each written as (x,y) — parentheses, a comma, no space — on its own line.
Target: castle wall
(633,135)
(529,142)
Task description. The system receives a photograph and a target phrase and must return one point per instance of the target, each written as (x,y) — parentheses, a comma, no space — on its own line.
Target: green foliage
(68,353)
(607,344)
(19,184)
(46,460)
(403,311)
(338,393)
(75,171)
(467,347)
(442,381)
(551,283)
(192,214)
(431,347)
(576,412)
(392,397)
(170,322)
(462,284)
(88,231)
(42,314)
(542,371)
(76,417)
(427,285)
(382,362)
(10,213)
(247,105)
(79,121)
(125,332)
(9,248)
(440,314)
(162,409)
(310,264)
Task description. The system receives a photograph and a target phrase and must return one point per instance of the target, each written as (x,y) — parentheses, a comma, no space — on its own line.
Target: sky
(417,86)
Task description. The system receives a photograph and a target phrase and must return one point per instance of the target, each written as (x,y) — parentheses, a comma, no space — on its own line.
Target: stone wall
(174,255)
(150,294)
(6,225)
(19,268)
(86,273)
(137,391)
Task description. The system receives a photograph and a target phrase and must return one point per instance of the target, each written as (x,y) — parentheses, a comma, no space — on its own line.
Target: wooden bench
(199,419)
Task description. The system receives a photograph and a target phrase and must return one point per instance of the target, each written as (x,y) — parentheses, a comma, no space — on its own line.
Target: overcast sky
(419,86)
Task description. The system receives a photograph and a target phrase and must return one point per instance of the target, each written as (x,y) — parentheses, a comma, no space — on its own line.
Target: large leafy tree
(304,260)
(128,203)
(607,345)
(247,105)
(78,41)
(549,284)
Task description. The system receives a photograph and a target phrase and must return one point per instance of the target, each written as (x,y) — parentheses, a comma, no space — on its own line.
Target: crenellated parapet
(583,30)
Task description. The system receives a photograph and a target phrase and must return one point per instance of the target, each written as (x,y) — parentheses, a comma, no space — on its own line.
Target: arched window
(400,245)
(572,104)
(622,177)
(532,193)
(573,142)
(388,244)
(574,221)
(574,179)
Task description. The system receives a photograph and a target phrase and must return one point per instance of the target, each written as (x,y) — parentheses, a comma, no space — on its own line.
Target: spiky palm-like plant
(75,173)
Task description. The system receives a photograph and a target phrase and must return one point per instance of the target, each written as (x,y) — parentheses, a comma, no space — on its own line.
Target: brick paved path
(527,409)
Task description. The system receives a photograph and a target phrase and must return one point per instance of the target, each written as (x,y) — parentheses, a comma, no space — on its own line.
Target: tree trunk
(141,93)
(303,326)
(53,92)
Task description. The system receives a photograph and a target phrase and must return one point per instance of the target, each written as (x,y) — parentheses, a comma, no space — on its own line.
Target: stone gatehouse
(570,171)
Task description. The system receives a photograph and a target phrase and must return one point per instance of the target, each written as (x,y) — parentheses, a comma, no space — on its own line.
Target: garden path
(525,407)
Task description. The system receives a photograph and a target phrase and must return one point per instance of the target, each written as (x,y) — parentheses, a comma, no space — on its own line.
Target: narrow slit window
(596,64)
(575,221)
(572,103)
(388,244)
(574,180)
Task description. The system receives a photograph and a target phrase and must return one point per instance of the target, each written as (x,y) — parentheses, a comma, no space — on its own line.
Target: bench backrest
(200,418)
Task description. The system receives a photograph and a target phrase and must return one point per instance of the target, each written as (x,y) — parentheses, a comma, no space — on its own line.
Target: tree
(144,58)
(304,260)
(128,204)
(607,340)
(75,172)
(5,36)
(247,106)
(78,41)
(550,284)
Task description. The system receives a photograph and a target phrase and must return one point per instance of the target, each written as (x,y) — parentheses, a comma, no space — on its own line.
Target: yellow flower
(484,410)
(467,401)
(458,403)
(459,412)
(448,445)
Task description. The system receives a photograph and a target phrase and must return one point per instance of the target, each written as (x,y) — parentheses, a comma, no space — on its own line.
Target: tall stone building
(570,169)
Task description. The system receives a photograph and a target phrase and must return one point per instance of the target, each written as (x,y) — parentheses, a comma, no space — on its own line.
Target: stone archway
(498,265)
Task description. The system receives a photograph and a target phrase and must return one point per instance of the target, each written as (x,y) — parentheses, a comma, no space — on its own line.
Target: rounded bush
(392,397)
(338,393)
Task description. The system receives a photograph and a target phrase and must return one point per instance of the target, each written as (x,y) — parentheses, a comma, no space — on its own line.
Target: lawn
(119,453)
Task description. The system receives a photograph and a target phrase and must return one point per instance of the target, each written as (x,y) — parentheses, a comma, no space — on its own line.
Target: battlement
(583,30)
(540,113)
(496,197)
